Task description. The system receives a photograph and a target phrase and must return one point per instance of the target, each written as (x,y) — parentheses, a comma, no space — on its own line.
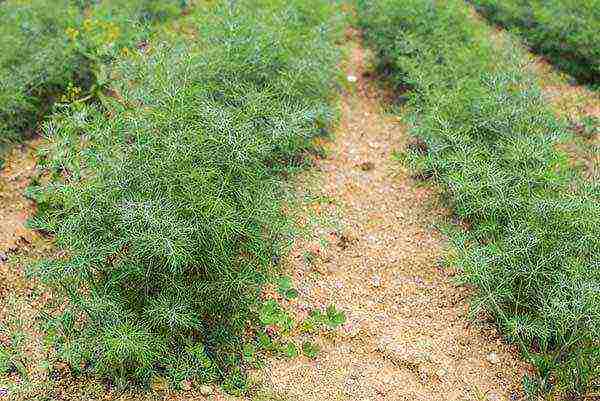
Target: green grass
(564,31)
(166,197)
(486,136)
(49,48)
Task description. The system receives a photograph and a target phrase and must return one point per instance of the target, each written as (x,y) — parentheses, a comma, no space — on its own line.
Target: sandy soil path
(407,336)
(15,209)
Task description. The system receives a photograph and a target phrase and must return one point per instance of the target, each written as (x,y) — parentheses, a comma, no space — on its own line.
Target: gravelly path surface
(407,336)
(14,207)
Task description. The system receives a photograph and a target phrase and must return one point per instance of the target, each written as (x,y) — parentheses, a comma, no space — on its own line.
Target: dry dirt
(15,209)
(407,335)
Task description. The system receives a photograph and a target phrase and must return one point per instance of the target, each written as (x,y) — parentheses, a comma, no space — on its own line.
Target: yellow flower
(87,24)
(125,52)
(72,33)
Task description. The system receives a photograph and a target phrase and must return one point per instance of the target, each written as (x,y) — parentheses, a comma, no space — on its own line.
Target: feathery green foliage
(565,31)
(484,133)
(49,46)
(168,203)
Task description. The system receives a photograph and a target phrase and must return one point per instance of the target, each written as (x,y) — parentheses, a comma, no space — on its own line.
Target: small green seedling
(310,350)
(286,288)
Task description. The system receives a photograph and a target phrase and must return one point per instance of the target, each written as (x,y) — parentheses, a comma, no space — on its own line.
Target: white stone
(493,358)
(206,390)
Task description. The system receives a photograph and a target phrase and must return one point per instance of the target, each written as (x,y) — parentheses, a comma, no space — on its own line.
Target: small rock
(206,390)
(366,166)
(401,355)
(344,349)
(186,385)
(493,397)
(352,78)
(376,281)
(380,389)
(493,358)
(441,373)
(3,257)
(383,343)
(382,317)
(352,329)
(423,374)
(350,386)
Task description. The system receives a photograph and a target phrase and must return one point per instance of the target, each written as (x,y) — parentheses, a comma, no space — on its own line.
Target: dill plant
(490,141)
(50,46)
(167,202)
(565,31)
(34,60)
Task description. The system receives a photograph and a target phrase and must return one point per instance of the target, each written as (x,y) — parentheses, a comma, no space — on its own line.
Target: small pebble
(352,329)
(493,397)
(376,281)
(206,390)
(383,343)
(382,317)
(423,374)
(350,385)
(344,349)
(3,257)
(493,358)
(338,284)
(186,385)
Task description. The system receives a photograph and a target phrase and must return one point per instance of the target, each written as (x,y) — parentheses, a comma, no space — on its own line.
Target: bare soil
(15,209)
(408,336)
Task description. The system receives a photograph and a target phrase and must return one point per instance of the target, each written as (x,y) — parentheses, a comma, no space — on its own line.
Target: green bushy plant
(565,31)
(486,135)
(35,60)
(167,199)
(48,47)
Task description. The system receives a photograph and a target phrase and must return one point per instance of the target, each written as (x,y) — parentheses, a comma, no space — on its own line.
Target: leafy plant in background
(35,60)
(12,355)
(165,198)
(565,31)
(47,46)
(5,363)
(485,135)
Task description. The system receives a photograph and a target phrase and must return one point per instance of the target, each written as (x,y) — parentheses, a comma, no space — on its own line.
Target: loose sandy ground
(408,336)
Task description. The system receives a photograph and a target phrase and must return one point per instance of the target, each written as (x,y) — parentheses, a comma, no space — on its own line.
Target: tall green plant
(487,137)
(565,31)
(167,207)
(49,47)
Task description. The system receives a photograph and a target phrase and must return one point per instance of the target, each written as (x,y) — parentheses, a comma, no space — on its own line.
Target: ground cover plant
(483,132)
(165,197)
(51,48)
(565,31)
